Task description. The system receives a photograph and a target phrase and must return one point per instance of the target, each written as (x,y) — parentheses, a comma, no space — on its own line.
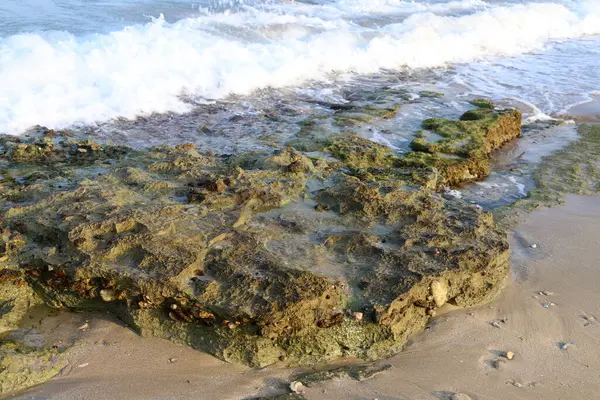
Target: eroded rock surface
(255,258)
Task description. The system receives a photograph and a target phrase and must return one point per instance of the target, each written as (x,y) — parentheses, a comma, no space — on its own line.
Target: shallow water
(237,75)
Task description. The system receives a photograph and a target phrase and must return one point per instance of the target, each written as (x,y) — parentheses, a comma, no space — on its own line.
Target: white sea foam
(57,79)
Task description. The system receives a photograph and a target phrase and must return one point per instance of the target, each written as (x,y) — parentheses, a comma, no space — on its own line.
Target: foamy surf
(57,79)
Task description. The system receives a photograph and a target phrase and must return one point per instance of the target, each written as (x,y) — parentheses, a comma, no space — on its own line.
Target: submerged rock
(232,258)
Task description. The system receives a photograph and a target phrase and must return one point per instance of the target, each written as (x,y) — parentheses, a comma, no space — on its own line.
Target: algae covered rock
(22,367)
(461,149)
(260,257)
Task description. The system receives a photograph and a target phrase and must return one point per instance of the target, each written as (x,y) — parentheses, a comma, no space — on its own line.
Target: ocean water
(66,62)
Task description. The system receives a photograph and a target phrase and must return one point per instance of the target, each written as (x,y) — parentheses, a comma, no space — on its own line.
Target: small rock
(495,324)
(108,295)
(545,293)
(509,355)
(439,291)
(297,387)
(534,246)
(358,316)
(83,365)
(84,327)
(172,360)
(460,396)
(517,384)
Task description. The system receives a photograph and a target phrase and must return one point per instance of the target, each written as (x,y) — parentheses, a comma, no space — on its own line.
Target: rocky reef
(293,256)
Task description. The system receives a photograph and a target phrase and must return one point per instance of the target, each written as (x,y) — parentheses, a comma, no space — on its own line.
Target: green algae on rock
(255,258)
(461,149)
(22,367)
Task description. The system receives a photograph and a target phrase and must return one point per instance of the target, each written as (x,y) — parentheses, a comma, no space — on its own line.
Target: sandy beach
(546,316)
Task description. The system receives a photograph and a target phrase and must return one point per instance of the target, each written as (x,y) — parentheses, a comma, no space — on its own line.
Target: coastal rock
(227,254)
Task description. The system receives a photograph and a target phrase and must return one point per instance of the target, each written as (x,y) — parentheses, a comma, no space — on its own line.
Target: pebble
(534,246)
(460,396)
(517,384)
(358,316)
(84,326)
(296,387)
(509,355)
(83,365)
(172,360)
(495,324)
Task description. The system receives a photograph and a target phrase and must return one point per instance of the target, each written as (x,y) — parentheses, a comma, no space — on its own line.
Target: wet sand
(456,353)
(586,112)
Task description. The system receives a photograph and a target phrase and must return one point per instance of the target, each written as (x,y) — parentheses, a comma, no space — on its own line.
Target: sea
(147,72)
